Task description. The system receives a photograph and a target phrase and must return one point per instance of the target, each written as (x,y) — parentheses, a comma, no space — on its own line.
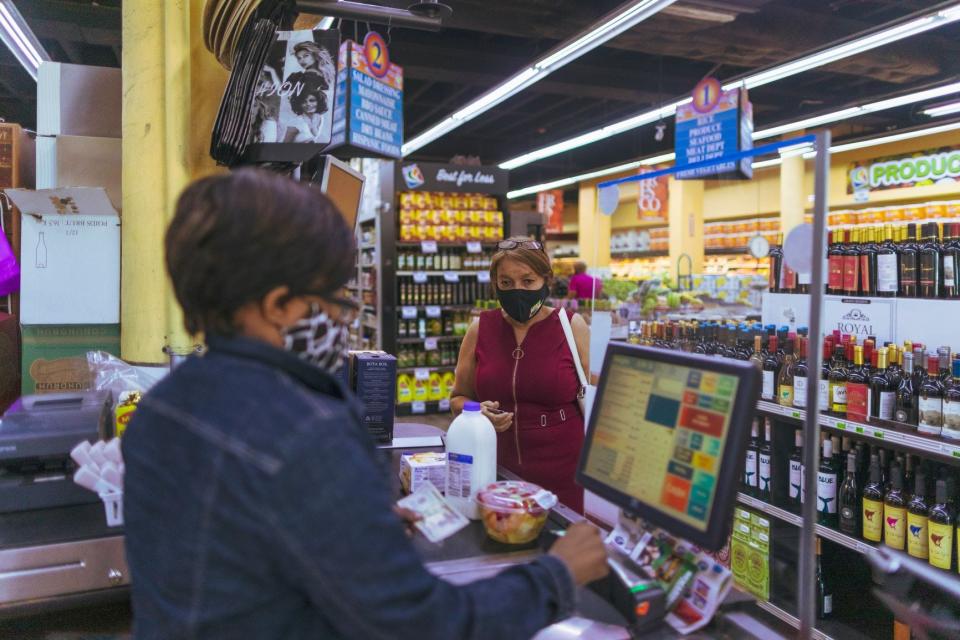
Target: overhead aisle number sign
(714,124)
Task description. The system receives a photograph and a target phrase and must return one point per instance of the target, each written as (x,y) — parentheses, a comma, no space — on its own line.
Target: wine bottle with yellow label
(917,513)
(940,526)
(873,503)
(895,511)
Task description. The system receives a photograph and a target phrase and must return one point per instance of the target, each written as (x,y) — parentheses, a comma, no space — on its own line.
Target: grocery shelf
(445,245)
(443,273)
(791,518)
(443,307)
(639,254)
(437,338)
(423,408)
(450,367)
(882,433)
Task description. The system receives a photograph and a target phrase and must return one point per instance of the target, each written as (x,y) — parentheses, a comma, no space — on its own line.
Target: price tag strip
(428,246)
(430,344)
(474,247)
(408,313)
(433,312)
(451,276)
(483,276)
(420,277)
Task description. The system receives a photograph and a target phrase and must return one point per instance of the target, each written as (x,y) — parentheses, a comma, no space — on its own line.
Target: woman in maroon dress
(516,361)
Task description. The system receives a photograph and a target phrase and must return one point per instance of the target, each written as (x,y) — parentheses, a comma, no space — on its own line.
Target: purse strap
(568,331)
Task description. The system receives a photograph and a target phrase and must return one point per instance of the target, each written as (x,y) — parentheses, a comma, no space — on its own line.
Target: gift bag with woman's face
(295,93)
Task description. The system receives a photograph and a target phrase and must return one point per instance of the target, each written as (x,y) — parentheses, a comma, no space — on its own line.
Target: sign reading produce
(936,166)
(716,123)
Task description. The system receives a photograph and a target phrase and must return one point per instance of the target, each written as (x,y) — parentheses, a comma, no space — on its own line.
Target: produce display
(514,512)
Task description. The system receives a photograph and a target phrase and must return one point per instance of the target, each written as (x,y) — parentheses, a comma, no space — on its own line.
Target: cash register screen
(667,436)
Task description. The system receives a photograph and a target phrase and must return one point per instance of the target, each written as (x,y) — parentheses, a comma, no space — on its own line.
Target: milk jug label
(458,475)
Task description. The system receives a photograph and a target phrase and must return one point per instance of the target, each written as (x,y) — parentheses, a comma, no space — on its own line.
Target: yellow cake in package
(435,388)
(418,468)
(448,378)
(421,391)
(404,389)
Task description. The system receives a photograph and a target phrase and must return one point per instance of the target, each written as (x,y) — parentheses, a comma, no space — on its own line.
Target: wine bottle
(951,260)
(909,266)
(943,355)
(858,390)
(757,356)
(775,265)
(929,261)
(751,472)
(888,268)
(895,511)
(869,251)
(917,512)
(835,263)
(795,490)
(785,382)
(850,499)
(872,503)
(851,264)
(771,368)
(951,405)
(930,403)
(800,372)
(764,455)
(824,590)
(906,411)
(883,394)
(838,382)
(827,488)
(940,524)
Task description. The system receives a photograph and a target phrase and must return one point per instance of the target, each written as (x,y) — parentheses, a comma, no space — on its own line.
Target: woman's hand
(408,517)
(501,419)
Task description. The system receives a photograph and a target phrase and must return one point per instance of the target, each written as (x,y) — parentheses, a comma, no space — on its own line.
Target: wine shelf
(461,274)
(916,443)
(790,619)
(791,518)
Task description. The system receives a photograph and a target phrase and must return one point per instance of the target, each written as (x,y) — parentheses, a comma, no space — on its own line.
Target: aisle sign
(653,197)
(933,166)
(368,116)
(714,124)
(550,206)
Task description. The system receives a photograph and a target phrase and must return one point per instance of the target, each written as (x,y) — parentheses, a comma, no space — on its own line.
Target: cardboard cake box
(55,356)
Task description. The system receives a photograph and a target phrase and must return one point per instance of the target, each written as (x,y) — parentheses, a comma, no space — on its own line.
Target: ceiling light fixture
(20,39)
(805,63)
(608,27)
(942,109)
(761,164)
(324,24)
(704,15)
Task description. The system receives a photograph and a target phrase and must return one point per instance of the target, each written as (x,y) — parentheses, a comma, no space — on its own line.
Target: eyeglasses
(506,245)
(349,310)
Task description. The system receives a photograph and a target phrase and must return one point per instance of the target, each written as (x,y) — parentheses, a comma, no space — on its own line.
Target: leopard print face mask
(318,340)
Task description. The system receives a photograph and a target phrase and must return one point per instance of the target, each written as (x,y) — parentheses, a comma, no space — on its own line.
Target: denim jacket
(255,508)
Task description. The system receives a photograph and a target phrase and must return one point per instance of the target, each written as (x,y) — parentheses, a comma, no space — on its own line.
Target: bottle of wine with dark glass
(872,503)
(752,468)
(909,265)
(795,488)
(838,382)
(850,499)
(800,373)
(851,264)
(835,254)
(764,466)
(858,389)
(951,260)
(888,265)
(940,524)
(775,275)
(771,370)
(883,393)
(906,411)
(869,251)
(951,405)
(930,262)
(917,512)
(824,589)
(895,511)
(785,381)
(827,488)
(930,402)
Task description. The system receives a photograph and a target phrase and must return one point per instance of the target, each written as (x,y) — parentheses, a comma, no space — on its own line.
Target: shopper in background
(583,286)
(516,361)
(255,505)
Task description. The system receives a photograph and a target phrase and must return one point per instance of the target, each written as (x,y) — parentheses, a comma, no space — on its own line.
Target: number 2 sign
(376,53)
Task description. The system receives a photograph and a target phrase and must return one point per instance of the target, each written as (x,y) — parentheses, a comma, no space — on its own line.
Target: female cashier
(517,362)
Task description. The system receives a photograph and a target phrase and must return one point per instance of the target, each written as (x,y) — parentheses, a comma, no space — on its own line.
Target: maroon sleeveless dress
(539,384)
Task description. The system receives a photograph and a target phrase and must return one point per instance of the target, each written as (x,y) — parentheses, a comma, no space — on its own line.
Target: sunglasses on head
(519,244)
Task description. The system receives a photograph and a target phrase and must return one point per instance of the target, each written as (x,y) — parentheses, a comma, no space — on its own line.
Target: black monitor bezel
(728,478)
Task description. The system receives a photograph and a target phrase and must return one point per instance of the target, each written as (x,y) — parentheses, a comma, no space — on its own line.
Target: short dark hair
(235,237)
(297,101)
(579,266)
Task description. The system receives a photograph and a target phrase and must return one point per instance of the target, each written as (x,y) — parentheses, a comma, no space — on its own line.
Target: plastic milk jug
(471,459)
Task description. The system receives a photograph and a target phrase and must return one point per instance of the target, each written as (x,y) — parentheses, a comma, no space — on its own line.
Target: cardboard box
(70,256)
(9,360)
(79,100)
(373,377)
(78,161)
(419,468)
(54,356)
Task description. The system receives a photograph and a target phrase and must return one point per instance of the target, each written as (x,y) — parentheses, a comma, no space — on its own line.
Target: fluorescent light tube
(324,24)
(20,39)
(563,54)
(812,61)
(896,137)
(942,110)
(696,13)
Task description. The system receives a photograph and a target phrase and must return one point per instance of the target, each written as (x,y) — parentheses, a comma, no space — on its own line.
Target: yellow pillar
(792,196)
(686,224)
(594,234)
(171,92)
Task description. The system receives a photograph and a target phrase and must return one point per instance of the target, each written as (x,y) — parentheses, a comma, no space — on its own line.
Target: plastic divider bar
(871,431)
(791,620)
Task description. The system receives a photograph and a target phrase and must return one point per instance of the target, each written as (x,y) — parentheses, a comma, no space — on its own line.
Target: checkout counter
(664,445)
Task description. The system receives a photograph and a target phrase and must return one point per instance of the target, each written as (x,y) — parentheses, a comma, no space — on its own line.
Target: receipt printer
(36,436)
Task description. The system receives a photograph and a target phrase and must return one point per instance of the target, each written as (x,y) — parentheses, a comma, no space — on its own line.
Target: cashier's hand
(582,550)
(501,421)
(409,518)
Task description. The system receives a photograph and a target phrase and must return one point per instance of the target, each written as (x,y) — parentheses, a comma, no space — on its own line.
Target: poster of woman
(295,93)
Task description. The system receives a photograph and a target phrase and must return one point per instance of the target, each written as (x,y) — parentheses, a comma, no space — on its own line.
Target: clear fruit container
(514,512)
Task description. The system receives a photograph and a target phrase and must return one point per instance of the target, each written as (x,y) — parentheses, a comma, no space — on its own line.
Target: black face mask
(522,304)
